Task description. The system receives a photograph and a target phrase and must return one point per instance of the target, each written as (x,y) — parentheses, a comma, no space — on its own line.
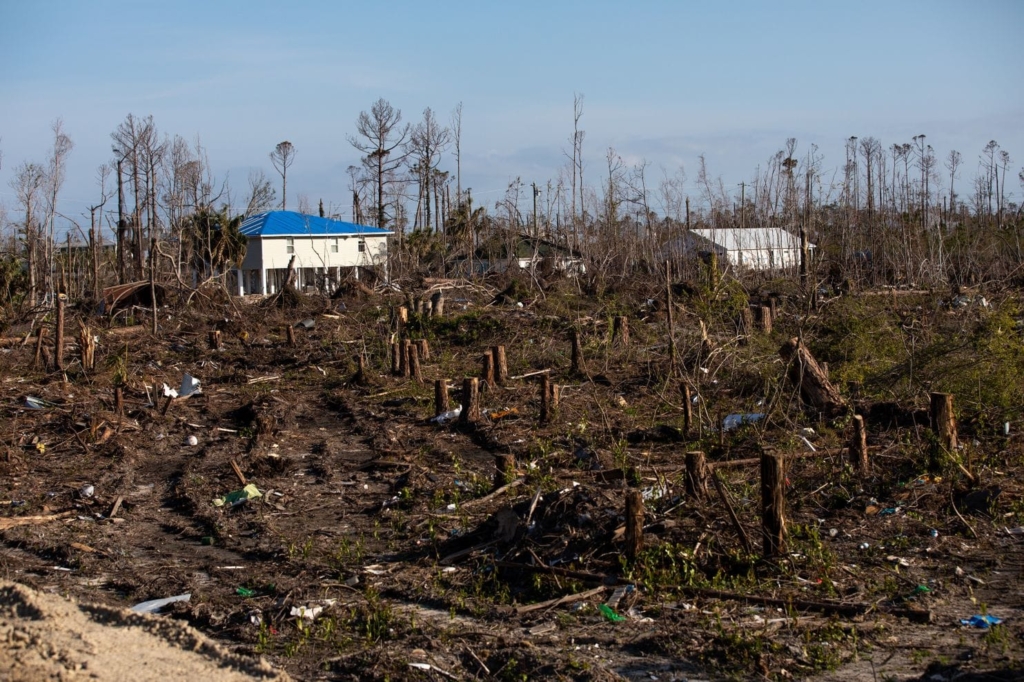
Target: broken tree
(805,372)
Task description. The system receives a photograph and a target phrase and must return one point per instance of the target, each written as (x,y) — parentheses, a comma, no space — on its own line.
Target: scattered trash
(498,415)
(155,605)
(980,621)
(446,417)
(249,492)
(618,594)
(919,590)
(1006,429)
(832,532)
(207,540)
(609,614)
(307,612)
(889,511)
(934,533)
(733,421)
(189,385)
(621,401)
(308,323)
(899,561)
(87,491)
(244,592)
(542,629)
(808,443)
(34,403)
(1019,530)
(808,432)
(192,440)
(864,545)
(41,448)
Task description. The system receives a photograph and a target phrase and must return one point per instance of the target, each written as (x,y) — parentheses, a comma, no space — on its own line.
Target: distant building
(323,250)
(505,252)
(750,248)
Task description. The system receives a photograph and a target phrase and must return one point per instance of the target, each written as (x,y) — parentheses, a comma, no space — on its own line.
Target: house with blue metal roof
(323,250)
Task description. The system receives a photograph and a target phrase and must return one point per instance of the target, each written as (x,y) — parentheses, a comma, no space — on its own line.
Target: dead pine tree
(807,374)
(687,408)
(668,308)
(86,346)
(576,358)
(58,333)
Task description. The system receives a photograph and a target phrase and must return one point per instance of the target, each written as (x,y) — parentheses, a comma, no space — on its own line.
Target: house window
(334,245)
(290,245)
(362,246)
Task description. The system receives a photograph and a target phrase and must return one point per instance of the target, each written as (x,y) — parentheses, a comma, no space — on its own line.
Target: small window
(334,245)
(290,248)
(362,246)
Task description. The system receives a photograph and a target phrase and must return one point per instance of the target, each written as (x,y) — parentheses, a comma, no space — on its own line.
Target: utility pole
(536,193)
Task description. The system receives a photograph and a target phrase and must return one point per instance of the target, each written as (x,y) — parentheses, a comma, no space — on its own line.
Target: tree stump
(487,372)
(500,364)
(360,377)
(396,359)
(943,420)
(859,446)
(414,363)
(773,307)
(119,401)
(470,401)
(37,361)
(576,360)
(506,469)
(620,330)
(290,334)
(87,347)
(634,524)
(437,304)
(696,475)
(815,388)
(554,391)
(545,399)
(441,402)
(401,319)
(687,408)
(58,334)
(403,358)
(214,339)
(773,503)
(424,349)
(764,319)
(745,322)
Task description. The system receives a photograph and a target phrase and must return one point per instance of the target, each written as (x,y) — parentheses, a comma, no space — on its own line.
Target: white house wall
(272,253)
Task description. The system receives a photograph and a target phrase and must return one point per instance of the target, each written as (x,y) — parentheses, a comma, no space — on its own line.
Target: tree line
(891,214)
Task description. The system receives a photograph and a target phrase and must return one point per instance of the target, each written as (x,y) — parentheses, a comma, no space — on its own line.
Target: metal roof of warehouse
(292,224)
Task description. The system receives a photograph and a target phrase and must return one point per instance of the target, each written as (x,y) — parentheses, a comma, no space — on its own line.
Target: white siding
(271,253)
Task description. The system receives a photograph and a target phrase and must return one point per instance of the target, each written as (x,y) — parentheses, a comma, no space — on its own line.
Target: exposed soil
(384,527)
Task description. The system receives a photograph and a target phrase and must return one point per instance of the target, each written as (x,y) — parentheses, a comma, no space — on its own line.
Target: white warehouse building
(750,248)
(323,250)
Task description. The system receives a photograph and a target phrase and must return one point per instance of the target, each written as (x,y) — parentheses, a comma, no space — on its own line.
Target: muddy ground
(377,548)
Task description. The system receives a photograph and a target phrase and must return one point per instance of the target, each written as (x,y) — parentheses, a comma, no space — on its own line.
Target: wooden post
(506,469)
(424,349)
(773,503)
(58,341)
(668,307)
(441,402)
(437,304)
(553,393)
(620,330)
(687,409)
(859,446)
(396,359)
(290,333)
(214,339)
(487,375)
(40,334)
(696,475)
(577,353)
(119,401)
(414,362)
(545,399)
(943,420)
(86,347)
(634,523)
(500,364)
(470,401)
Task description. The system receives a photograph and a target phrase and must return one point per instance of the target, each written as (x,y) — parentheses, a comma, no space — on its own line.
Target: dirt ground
(382,546)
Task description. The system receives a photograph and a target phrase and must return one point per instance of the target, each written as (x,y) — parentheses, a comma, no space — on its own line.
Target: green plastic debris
(249,492)
(244,592)
(207,540)
(920,589)
(608,613)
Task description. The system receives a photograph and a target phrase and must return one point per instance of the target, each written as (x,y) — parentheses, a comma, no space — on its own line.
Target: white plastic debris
(155,605)
(189,385)
(87,491)
(169,392)
(307,612)
(448,416)
(192,440)
(734,420)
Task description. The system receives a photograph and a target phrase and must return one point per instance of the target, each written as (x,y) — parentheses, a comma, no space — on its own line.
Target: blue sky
(662,81)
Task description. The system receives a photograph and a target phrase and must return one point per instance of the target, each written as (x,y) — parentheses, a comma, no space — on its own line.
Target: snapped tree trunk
(808,375)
